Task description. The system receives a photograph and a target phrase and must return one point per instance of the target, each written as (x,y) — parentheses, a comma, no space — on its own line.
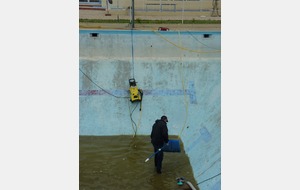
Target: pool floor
(118,162)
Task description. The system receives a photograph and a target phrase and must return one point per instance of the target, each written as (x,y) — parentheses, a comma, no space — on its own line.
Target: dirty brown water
(118,163)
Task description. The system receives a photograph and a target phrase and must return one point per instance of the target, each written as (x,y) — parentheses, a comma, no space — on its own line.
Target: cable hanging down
(101,87)
(132,54)
(209,178)
(136,94)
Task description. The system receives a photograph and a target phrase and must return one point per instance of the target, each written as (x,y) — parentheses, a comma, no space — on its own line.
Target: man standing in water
(159,136)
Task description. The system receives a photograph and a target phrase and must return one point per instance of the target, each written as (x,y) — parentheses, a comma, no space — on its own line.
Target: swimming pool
(180,75)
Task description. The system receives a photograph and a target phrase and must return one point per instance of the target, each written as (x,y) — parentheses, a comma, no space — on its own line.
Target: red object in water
(163,29)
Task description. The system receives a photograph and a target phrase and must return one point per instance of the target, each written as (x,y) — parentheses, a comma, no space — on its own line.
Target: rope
(184,48)
(183,88)
(209,167)
(181,47)
(209,178)
(100,86)
(200,41)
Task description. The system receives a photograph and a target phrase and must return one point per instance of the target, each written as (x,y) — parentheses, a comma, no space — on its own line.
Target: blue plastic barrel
(173,146)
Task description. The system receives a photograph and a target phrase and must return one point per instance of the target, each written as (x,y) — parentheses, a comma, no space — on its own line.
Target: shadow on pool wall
(180,76)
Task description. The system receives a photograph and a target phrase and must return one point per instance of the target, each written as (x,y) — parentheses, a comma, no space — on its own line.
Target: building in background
(190,9)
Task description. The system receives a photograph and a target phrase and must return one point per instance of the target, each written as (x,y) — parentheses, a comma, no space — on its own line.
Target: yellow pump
(135,93)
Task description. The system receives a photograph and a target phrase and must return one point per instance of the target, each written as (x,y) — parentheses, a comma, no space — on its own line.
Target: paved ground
(88,14)
(202,27)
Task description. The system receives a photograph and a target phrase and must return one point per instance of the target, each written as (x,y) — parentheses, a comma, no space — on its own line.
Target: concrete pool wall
(180,75)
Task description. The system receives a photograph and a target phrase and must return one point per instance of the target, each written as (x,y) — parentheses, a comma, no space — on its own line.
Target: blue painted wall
(180,75)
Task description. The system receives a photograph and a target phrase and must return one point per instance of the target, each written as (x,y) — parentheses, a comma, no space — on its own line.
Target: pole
(182,11)
(107,6)
(130,15)
(154,153)
(132,19)
(160,6)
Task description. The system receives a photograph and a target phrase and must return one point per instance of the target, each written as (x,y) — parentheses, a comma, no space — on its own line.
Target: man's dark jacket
(159,133)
